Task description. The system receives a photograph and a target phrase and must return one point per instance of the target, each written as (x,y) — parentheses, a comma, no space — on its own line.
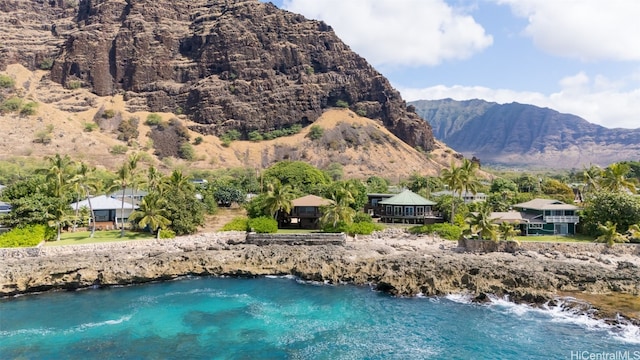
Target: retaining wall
(296,239)
(472,245)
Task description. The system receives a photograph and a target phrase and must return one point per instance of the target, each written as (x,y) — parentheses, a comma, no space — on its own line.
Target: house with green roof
(408,207)
(548,217)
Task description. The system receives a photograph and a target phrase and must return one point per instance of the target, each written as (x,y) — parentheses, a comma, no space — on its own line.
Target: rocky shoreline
(392,261)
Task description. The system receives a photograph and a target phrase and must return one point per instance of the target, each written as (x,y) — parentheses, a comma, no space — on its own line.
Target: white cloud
(588,30)
(399,32)
(598,101)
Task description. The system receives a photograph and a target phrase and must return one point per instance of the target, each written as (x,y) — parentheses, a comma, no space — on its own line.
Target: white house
(108,211)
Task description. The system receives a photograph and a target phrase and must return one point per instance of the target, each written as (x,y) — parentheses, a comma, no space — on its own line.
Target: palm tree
(507,231)
(610,235)
(338,211)
(58,174)
(470,182)
(60,215)
(278,198)
(178,181)
(154,180)
(454,178)
(482,224)
(592,177)
(127,177)
(614,178)
(152,212)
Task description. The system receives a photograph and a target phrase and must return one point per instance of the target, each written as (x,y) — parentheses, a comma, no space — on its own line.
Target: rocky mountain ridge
(526,135)
(226,64)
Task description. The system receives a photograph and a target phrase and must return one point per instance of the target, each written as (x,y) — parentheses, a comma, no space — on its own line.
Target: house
(548,217)
(373,206)
(408,207)
(467,196)
(108,211)
(306,211)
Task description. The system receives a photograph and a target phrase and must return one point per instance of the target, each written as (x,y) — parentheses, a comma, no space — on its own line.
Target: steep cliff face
(228,64)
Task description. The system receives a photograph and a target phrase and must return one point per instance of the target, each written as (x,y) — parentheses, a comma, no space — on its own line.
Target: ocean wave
(565,311)
(86,326)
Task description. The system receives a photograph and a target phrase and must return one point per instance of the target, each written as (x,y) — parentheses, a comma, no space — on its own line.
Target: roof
(104,202)
(513,217)
(407,197)
(455,193)
(311,200)
(128,192)
(546,204)
(380,195)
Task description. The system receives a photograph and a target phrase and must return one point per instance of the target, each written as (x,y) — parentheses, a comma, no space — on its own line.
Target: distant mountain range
(526,135)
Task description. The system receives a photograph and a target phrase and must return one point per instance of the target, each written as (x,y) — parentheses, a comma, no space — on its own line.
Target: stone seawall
(296,239)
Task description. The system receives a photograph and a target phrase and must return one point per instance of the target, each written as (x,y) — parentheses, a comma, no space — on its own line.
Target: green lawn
(556,238)
(82,237)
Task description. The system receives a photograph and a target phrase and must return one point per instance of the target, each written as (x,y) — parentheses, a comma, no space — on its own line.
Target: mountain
(526,135)
(210,68)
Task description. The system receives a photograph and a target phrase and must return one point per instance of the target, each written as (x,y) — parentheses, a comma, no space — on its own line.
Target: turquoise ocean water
(283,318)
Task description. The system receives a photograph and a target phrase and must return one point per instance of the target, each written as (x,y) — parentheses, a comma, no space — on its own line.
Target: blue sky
(574,56)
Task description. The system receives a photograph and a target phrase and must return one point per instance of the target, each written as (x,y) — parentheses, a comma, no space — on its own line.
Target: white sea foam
(460,298)
(86,326)
(566,312)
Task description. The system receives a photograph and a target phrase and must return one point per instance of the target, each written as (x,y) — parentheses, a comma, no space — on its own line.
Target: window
(389,210)
(374,202)
(397,210)
(535,226)
(408,210)
(419,210)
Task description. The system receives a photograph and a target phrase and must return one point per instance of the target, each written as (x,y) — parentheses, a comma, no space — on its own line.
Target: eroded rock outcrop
(404,265)
(228,64)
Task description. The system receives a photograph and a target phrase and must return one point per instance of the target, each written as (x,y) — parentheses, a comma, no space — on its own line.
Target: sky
(575,56)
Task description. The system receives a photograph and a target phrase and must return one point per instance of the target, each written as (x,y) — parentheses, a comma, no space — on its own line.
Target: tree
(376,184)
(507,231)
(482,224)
(470,182)
(184,210)
(455,179)
(609,234)
(338,211)
(501,185)
(278,199)
(591,177)
(618,208)
(226,195)
(614,178)
(151,212)
(558,190)
(58,174)
(127,178)
(299,175)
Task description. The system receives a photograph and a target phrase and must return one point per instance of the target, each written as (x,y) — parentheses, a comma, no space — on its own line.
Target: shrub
(29,109)
(361,217)
(363,228)
(12,104)
(237,224)
(264,225)
(444,230)
(315,132)
(255,136)
(30,235)
(6,81)
(167,234)
(46,64)
(128,129)
(89,127)
(108,114)
(340,227)
(187,152)
(44,136)
(198,140)
(74,84)
(342,104)
(361,112)
(153,119)
(118,149)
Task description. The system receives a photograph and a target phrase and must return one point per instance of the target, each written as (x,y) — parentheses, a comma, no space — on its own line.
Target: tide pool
(283,318)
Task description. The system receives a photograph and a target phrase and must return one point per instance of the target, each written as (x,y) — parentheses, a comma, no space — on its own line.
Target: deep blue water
(281,318)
